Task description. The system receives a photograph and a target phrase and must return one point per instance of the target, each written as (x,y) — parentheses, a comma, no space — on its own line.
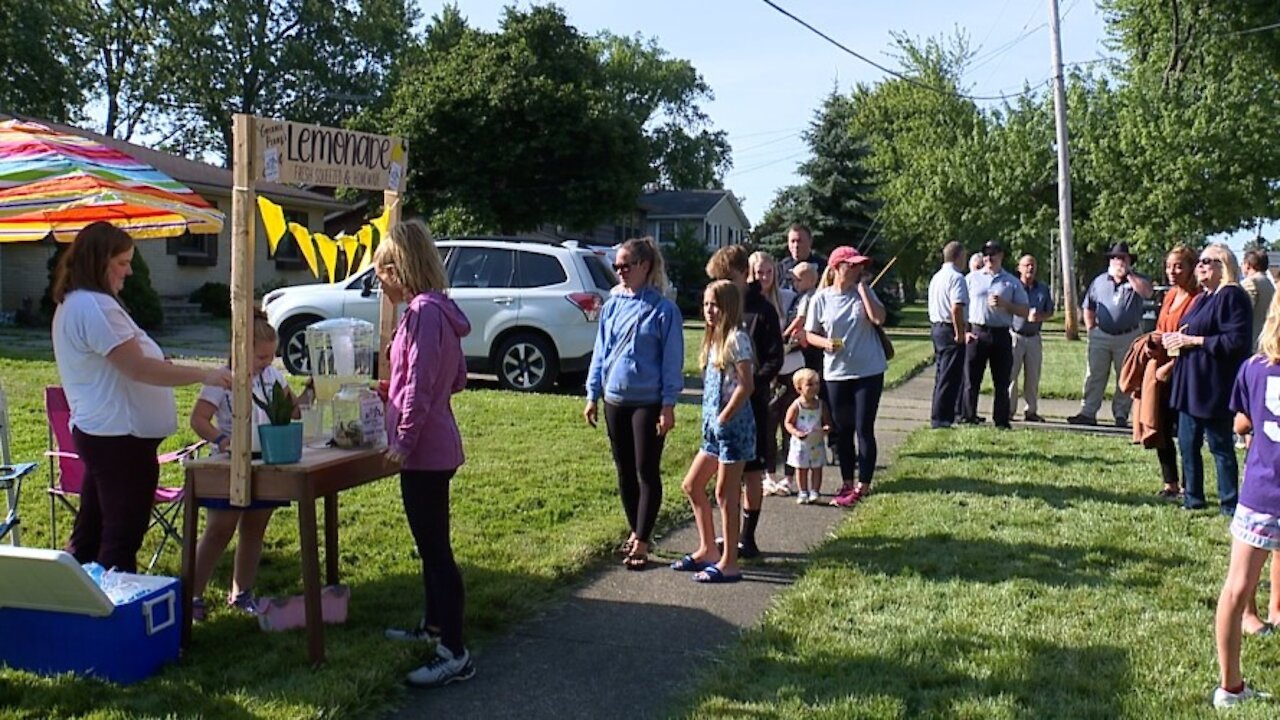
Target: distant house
(715,216)
(179,265)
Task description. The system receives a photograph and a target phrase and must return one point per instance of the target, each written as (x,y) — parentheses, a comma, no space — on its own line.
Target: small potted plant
(282,439)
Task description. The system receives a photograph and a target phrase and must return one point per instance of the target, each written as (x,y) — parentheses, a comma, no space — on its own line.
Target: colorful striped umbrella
(53,182)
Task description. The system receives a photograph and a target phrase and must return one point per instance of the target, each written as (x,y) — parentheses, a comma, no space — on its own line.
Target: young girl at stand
(805,422)
(728,435)
(211,419)
(1255,527)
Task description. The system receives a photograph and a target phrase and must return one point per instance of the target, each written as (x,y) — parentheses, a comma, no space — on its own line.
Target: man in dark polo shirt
(799,249)
(1028,350)
(1113,317)
(995,297)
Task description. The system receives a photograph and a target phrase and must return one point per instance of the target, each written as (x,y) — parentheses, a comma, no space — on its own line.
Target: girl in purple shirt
(1255,527)
(427,367)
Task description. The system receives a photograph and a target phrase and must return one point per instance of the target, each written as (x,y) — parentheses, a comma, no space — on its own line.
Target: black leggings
(426,506)
(637,452)
(120,479)
(854,404)
(783,395)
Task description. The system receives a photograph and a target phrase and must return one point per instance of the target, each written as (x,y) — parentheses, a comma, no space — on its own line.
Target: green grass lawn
(1062,375)
(997,575)
(533,509)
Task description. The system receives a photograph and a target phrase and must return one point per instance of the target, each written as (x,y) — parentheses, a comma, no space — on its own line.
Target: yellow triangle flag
(349,245)
(381,221)
(302,236)
(272,220)
(365,236)
(328,252)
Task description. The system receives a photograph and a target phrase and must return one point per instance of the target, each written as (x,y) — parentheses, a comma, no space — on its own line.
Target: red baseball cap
(846,254)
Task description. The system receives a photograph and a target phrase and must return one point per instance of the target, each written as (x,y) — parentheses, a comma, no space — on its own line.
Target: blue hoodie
(639,351)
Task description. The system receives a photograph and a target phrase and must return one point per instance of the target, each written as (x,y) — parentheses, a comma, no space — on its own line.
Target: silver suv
(533,306)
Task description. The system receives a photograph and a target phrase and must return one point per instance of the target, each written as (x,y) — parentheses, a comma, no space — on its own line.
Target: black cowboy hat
(1121,249)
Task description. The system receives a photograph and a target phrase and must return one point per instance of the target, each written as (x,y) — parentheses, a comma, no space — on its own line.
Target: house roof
(199,176)
(687,204)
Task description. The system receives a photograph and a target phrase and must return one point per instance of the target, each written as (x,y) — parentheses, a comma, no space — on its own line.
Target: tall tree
(838,191)
(307,60)
(664,95)
(519,127)
(43,66)
(123,38)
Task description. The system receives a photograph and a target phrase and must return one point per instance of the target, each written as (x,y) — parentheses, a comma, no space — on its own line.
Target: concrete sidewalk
(625,643)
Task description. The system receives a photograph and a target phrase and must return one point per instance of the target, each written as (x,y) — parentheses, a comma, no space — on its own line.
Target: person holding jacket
(427,369)
(1213,343)
(637,367)
(760,320)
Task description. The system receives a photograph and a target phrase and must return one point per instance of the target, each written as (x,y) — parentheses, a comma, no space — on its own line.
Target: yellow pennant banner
(318,247)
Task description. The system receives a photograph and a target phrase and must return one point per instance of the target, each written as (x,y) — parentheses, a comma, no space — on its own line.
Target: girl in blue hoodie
(637,367)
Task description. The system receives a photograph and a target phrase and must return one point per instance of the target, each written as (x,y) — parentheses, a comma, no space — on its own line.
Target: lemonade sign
(305,154)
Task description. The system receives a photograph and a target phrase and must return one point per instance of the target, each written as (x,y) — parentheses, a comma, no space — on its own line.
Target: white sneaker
(783,487)
(802,498)
(770,487)
(813,496)
(1224,699)
(443,669)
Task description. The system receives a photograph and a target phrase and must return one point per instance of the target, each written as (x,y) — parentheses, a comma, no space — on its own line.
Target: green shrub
(139,298)
(213,298)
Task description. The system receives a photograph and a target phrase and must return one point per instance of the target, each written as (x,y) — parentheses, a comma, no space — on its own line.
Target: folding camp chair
(11,475)
(67,478)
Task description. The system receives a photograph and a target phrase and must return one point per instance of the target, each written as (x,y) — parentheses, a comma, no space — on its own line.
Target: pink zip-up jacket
(427,367)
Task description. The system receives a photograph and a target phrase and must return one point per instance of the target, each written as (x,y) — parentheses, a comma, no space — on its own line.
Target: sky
(770,74)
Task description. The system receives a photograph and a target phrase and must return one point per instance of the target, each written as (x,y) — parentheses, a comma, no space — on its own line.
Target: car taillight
(588,303)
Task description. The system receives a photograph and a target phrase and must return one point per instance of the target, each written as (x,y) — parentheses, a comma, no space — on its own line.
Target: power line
(768,142)
(882,68)
(768,164)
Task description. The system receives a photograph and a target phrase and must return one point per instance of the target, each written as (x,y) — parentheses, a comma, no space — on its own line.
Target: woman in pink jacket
(427,367)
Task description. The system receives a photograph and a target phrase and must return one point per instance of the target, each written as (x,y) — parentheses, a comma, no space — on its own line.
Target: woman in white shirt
(119,387)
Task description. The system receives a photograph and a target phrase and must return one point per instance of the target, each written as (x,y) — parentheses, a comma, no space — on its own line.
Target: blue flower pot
(281,444)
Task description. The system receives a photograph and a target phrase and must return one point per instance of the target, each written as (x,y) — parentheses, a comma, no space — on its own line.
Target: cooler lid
(39,579)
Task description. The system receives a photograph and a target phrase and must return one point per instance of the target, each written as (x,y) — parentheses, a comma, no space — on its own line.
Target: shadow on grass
(942,557)
(1056,495)
(945,675)
(584,659)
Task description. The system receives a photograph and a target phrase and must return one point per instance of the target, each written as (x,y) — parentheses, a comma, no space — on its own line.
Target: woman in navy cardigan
(1214,342)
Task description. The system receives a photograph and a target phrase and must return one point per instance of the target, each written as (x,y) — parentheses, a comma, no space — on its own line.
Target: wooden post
(242,252)
(386,309)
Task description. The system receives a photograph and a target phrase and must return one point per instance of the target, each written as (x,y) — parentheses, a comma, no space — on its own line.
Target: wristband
(218,440)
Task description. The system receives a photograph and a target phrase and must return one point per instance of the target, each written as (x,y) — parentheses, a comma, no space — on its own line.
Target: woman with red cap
(842,321)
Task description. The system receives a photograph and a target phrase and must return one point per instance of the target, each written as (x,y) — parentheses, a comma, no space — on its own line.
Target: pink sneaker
(848,499)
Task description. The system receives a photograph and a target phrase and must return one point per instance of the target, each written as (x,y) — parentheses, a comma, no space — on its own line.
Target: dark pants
(760,411)
(1167,454)
(994,346)
(637,453)
(854,404)
(426,507)
(120,479)
(1192,433)
(949,378)
(783,396)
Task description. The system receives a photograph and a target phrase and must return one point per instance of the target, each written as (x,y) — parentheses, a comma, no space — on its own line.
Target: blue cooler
(55,619)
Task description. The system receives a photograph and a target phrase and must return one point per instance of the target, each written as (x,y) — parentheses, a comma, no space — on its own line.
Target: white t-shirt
(86,327)
(261,387)
(836,314)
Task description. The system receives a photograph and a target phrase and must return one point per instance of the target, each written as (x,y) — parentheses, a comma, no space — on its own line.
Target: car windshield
(601,274)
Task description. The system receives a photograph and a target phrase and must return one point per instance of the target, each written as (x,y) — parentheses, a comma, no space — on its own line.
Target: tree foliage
(43,71)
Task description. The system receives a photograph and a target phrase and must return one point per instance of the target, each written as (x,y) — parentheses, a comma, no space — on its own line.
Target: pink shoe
(849,499)
(289,613)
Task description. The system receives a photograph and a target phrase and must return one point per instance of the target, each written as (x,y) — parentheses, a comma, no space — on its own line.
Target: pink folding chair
(66,475)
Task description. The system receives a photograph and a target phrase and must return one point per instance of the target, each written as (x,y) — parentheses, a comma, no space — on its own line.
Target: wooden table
(321,473)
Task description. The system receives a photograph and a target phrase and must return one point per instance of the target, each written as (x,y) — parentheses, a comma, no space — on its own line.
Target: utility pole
(1064,179)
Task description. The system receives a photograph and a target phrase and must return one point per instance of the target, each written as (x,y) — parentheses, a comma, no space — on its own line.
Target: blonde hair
(646,250)
(1230,268)
(720,341)
(828,277)
(726,261)
(411,251)
(774,294)
(1269,340)
(802,376)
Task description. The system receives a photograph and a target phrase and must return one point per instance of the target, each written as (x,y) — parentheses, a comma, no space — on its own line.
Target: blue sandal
(713,575)
(688,564)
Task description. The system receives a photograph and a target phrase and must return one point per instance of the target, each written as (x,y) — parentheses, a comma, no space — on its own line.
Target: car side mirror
(366,286)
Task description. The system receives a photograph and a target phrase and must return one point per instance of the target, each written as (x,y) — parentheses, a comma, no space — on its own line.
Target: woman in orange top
(1179,268)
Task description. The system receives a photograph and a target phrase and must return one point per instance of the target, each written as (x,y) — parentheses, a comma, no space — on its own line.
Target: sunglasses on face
(1207,261)
(620,267)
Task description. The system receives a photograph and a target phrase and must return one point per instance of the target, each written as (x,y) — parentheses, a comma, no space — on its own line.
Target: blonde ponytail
(645,249)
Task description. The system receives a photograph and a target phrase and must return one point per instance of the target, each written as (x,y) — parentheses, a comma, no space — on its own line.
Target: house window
(194,250)
(288,255)
(667,231)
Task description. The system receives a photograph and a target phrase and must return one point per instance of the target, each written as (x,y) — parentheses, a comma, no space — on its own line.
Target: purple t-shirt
(1257,394)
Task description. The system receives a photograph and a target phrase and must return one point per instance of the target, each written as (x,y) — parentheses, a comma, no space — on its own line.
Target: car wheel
(526,363)
(293,345)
